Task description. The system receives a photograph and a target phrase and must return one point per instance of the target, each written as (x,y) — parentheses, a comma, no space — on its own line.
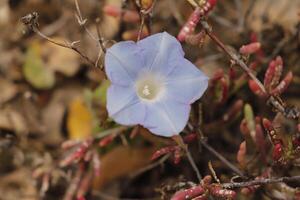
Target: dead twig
(236,59)
(82,22)
(233,56)
(181,143)
(31,21)
(261,182)
(222,158)
(150,166)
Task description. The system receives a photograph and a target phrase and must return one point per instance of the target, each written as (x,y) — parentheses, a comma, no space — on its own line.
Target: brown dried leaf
(8,90)
(11,119)
(60,59)
(121,161)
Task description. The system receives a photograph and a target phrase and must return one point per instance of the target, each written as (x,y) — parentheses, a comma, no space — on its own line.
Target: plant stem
(222,158)
(233,56)
(261,182)
(179,140)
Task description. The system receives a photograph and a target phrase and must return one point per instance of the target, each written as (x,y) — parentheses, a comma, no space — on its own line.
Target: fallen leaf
(121,161)
(53,114)
(8,90)
(18,185)
(34,69)
(11,119)
(80,120)
(60,59)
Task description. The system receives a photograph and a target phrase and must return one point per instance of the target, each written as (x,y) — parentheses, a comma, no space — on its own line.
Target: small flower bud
(250,48)
(273,73)
(188,193)
(277,151)
(283,85)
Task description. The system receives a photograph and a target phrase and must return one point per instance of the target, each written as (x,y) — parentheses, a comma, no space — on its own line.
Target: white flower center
(149,87)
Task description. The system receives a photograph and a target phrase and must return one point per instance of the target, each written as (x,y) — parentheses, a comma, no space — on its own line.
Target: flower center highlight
(149,87)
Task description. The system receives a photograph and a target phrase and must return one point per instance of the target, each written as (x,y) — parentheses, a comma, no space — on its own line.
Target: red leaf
(188,193)
(219,192)
(194,18)
(190,25)
(273,73)
(283,85)
(107,140)
(241,155)
(163,151)
(260,141)
(271,131)
(277,151)
(190,138)
(250,48)
(255,88)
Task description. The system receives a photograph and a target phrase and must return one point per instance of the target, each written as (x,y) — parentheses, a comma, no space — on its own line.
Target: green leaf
(35,71)
(100,92)
(249,116)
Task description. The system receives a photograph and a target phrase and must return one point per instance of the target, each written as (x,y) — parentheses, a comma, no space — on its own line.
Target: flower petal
(166,118)
(124,106)
(186,83)
(123,62)
(159,50)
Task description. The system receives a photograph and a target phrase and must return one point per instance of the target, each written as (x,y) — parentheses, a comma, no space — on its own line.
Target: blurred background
(50,95)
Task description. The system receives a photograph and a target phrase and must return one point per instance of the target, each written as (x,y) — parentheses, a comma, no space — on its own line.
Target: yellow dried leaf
(79,121)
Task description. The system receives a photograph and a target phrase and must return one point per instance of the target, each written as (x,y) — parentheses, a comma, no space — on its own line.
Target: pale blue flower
(152,84)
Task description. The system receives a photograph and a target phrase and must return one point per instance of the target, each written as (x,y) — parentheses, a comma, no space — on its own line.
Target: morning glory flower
(152,84)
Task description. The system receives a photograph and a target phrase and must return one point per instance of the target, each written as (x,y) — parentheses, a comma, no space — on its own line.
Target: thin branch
(261,182)
(82,21)
(68,46)
(100,38)
(233,56)
(150,166)
(204,143)
(31,21)
(115,130)
(181,143)
(101,43)
(275,101)
(222,158)
(145,15)
(141,26)
(193,164)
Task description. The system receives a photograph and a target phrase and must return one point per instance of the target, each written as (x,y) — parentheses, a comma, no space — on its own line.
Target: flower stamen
(146,90)
(148,87)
